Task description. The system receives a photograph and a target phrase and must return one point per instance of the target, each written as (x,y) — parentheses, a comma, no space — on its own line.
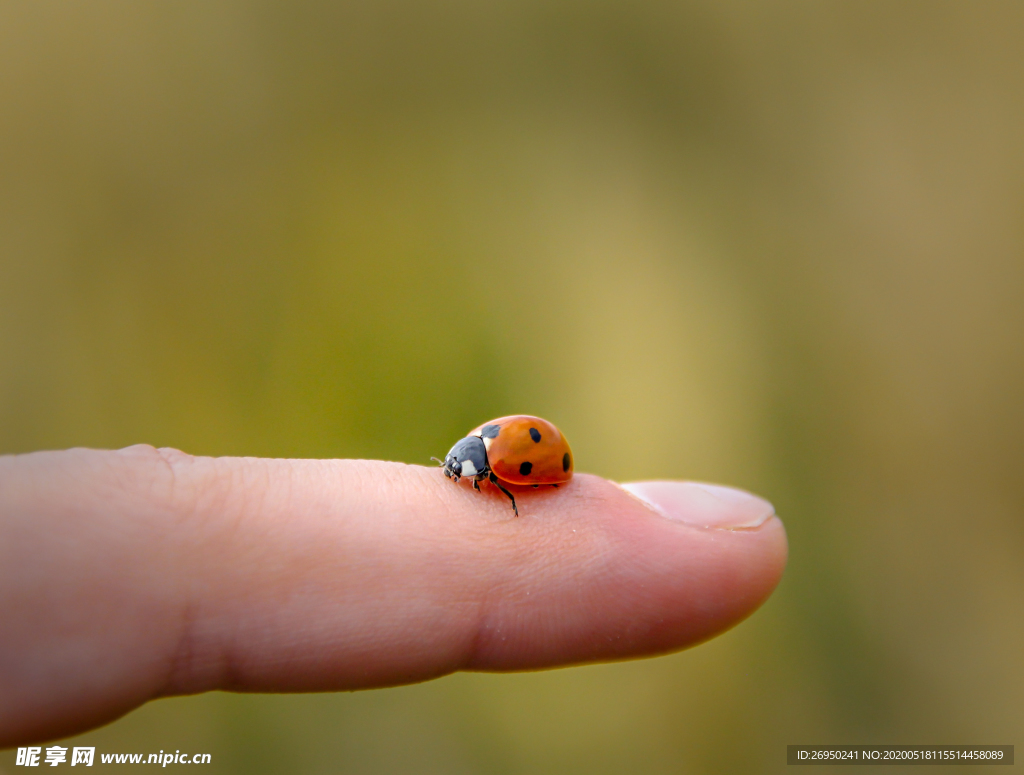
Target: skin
(141,573)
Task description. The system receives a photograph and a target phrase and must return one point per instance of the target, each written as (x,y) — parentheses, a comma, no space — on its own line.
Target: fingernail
(703,505)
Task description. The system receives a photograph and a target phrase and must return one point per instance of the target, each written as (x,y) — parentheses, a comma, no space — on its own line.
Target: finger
(135,574)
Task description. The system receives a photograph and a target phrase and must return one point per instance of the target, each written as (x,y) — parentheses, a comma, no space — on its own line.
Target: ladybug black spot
(490,431)
(566,461)
(525,468)
(535,435)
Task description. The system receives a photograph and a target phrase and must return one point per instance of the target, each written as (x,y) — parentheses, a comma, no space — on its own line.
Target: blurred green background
(778,246)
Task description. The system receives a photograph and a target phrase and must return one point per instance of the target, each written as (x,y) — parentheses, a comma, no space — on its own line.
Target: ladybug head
(467,458)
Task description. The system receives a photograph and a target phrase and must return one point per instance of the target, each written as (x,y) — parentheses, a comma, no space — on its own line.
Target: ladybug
(517,450)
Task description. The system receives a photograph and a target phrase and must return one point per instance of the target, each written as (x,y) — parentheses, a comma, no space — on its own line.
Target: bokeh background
(778,246)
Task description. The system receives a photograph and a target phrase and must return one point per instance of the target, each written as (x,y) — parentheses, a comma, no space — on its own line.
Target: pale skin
(141,573)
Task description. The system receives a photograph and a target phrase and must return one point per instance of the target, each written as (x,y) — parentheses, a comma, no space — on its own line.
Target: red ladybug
(518,450)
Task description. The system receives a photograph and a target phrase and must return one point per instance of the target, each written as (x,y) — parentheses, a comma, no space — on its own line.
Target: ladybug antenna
(439,462)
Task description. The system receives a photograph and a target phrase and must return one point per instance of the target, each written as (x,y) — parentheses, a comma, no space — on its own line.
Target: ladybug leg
(496,483)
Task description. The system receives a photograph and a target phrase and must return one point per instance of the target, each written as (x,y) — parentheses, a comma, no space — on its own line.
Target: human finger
(142,573)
